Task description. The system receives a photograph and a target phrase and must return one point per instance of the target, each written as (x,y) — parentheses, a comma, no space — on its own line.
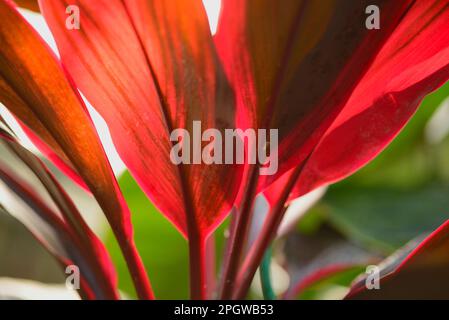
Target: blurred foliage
(385,219)
(22,256)
(312,221)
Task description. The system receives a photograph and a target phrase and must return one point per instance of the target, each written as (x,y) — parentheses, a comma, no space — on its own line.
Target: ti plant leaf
(63,232)
(37,90)
(417,271)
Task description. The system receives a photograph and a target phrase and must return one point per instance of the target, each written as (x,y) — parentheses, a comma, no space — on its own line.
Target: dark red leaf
(294,64)
(413,63)
(418,271)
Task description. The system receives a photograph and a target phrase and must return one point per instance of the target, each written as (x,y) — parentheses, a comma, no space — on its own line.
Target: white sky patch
(105,136)
(13,288)
(213,13)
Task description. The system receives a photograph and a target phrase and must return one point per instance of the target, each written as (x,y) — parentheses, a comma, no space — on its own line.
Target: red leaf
(413,63)
(40,136)
(294,64)
(30,71)
(32,5)
(418,271)
(47,99)
(49,153)
(149,67)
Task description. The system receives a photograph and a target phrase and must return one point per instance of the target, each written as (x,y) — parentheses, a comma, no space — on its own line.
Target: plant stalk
(263,241)
(135,266)
(238,237)
(198,267)
(197,245)
(211,266)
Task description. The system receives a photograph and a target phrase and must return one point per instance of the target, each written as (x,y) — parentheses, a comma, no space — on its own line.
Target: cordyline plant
(336,91)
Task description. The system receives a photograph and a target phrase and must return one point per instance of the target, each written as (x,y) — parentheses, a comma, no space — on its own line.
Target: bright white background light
(213,12)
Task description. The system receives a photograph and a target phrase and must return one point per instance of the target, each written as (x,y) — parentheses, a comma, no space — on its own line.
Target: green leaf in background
(386,219)
(312,220)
